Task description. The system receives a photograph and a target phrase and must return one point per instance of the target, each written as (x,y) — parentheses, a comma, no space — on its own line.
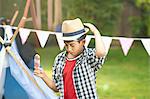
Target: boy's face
(74,47)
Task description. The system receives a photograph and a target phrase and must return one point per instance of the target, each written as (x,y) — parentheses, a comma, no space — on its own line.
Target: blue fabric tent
(12,88)
(17,84)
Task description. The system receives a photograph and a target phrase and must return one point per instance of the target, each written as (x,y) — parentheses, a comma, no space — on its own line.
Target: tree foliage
(140,24)
(144,5)
(103,13)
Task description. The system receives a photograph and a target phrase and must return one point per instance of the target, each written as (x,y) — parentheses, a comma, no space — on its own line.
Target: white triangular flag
(60,41)
(107,42)
(8,31)
(146,43)
(87,40)
(126,44)
(42,36)
(24,33)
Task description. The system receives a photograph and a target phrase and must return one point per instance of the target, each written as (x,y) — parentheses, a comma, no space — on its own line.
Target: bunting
(60,41)
(8,32)
(87,40)
(42,36)
(126,44)
(146,43)
(107,42)
(24,33)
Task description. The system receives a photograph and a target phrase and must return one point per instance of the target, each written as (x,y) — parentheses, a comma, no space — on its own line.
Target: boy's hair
(82,37)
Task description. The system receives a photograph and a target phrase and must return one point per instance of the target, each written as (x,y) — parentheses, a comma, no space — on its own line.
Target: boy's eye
(66,46)
(72,45)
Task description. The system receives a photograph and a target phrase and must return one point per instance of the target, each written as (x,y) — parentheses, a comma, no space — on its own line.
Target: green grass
(122,77)
(125,77)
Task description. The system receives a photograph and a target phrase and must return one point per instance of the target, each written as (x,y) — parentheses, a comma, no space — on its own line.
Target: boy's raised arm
(99,46)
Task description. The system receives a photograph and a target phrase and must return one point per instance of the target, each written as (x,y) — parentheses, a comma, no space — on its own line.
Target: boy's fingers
(89,25)
(35,66)
(37,71)
(39,75)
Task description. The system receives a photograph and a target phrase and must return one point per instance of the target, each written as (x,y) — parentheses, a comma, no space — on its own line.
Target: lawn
(122,77)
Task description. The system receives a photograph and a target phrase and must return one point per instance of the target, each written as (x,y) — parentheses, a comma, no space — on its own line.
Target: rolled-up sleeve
(55,73)
(95,62)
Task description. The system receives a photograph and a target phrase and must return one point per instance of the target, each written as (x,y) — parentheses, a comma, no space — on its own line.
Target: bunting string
(125,42)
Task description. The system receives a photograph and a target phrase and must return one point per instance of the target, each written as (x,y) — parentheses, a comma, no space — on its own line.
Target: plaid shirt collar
(78,58)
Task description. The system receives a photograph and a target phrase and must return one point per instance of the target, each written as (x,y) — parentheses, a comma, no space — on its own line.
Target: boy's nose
(69,49)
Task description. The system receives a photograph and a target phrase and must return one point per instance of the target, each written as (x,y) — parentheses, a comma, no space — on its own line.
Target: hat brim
(70,38)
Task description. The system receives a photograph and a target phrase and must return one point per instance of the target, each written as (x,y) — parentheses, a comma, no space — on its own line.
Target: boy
(74,70)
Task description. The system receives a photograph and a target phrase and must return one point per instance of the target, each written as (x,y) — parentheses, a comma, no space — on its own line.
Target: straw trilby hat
(73,29)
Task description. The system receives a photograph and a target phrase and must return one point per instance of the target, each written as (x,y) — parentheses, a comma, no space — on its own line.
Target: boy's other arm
(48,81)
(99,46)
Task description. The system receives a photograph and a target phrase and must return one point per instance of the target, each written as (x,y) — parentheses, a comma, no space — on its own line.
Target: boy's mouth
(70,53)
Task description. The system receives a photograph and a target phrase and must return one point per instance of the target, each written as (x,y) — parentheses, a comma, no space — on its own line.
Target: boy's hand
(92,27)
(39,72)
